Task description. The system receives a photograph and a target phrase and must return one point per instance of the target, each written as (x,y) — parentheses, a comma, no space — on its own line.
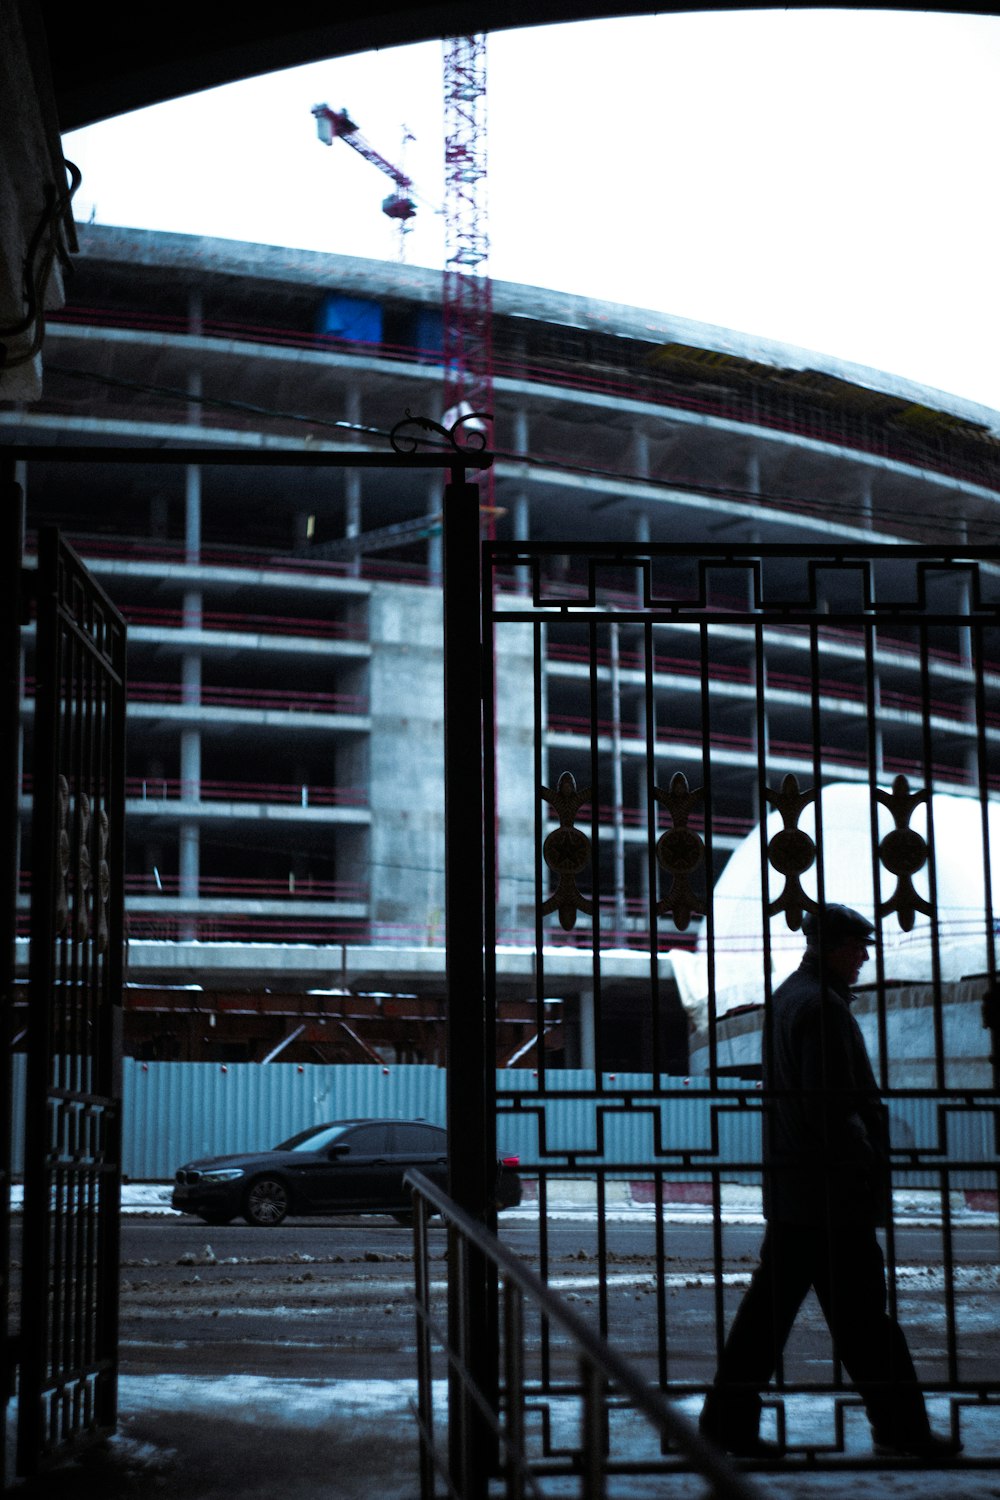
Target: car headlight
(222,1174)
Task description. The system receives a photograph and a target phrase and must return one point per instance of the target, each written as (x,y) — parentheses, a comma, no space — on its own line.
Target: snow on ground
(573,1203)
(243,1437)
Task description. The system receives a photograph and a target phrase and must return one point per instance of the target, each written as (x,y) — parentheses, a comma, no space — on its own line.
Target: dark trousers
(846,1268)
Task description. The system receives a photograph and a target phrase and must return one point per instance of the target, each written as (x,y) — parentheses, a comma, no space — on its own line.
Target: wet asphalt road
(331,1298)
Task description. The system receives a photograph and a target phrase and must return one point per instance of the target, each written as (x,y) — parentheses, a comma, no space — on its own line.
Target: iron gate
(68,1352)
(687,748)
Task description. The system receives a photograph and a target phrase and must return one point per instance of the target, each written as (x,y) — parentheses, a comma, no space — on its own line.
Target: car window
(418,1140)
(367,1140)
(316,1138)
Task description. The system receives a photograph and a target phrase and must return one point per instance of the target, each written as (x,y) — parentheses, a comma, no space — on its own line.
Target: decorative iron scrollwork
(81,924)
(679,851)
(102,895)
(458,436)
(566,851)
(62,858)
(791,851)
(903,852)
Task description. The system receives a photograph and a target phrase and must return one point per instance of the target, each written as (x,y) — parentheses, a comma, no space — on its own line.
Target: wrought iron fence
(606,1420)
(852,726)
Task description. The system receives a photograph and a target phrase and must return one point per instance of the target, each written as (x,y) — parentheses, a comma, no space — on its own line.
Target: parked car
(344,1166)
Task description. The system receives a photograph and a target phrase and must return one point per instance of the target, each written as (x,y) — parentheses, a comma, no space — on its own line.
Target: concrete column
(521,432)
(192,513)
(753,481)
(967,657)
(879,736)
(618,796)
(641,532)
(521,519)
(588,1045)
(639,454)
(195,328)
(189,832)
(189,859)
(352,483)
(196,312)
(434,552)
(760,729)
(867,501)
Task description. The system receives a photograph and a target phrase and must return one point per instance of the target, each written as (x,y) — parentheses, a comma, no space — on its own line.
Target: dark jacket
(825,1137)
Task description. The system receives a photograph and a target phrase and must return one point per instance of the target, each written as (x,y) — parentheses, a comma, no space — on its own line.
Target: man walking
(825,1190)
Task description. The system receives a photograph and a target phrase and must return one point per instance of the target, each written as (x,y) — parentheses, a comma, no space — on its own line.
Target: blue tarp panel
(427,330)
(357,319)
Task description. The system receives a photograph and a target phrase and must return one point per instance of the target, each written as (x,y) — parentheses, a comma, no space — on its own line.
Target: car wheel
(216,1221)
(266,1203)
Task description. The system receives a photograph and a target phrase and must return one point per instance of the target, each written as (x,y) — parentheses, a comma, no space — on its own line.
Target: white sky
(826,178)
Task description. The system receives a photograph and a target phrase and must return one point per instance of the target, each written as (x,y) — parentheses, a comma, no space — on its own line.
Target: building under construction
(285,859)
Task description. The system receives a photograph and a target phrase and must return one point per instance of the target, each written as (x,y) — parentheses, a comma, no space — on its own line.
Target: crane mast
(467,298)
(467,295)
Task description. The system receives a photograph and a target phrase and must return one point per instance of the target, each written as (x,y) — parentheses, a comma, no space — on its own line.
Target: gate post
(12,544)
(471,1080)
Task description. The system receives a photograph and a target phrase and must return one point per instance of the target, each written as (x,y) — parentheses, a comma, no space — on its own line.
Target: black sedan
(345,1166)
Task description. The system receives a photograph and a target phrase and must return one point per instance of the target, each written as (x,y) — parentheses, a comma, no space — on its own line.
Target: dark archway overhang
(105,60)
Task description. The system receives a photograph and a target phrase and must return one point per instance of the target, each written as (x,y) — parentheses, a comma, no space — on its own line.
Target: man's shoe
(739,1445)
(927,1445)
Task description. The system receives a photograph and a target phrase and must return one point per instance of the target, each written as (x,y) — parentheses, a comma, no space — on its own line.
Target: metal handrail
(492,1422)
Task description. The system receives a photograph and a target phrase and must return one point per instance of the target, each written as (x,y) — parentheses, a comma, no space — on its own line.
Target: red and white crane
(333,125)
(467,296)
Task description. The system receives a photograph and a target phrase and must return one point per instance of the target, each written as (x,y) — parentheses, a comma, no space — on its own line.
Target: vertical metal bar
(662,1345)
(538,747)
(649,713)
(11,605)
(708,805)
(990,1018)
(32,1437)
(515,1452)
(816,723)
(471,1077)
(545,1332)
(425,1377)
(767,1040)
(109,1080)
(592,1441)
(940,1072)
(718,1290)
(872,736)
(602,1250)
(595,853)
(948,1261)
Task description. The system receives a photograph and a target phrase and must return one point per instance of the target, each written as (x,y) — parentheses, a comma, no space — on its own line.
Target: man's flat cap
(838,924)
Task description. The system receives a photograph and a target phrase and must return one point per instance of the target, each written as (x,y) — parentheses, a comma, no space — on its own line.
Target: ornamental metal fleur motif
(62,857)
(566,851)
(903,852)
(103,892)
(679,851)
(81,925)
(459,436)
(791,851)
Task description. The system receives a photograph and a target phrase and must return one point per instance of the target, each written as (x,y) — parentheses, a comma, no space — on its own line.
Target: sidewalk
(187,1438)
(570,1198)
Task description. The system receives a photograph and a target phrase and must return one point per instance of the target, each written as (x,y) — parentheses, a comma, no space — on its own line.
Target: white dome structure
(959,864)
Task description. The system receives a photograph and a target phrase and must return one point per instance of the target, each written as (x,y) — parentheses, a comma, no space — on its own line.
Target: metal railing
(492,1431)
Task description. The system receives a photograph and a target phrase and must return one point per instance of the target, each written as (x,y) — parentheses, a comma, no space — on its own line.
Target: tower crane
(332,125)
(467,298)
(467,295)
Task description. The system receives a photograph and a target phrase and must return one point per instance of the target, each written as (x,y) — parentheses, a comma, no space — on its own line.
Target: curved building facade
(285,800)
